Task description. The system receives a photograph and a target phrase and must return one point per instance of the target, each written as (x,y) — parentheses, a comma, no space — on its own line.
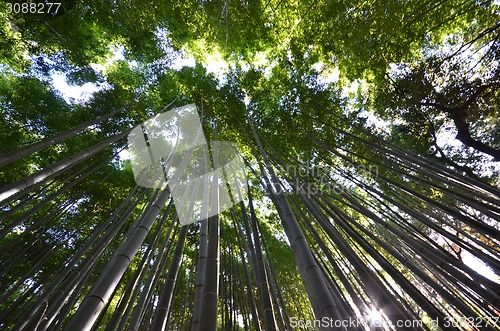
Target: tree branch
(459,115)
(445,157)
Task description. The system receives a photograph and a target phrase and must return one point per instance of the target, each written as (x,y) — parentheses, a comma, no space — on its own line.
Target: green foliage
(395,62)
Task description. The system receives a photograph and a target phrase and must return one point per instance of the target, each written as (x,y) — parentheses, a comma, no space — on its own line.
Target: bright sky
(479,266)
(82,93)
(69,92)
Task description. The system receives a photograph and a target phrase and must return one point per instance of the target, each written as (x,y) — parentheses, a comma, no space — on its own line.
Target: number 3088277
(33,8)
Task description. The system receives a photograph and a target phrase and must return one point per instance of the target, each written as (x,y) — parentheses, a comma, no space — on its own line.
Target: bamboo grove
(340,225)
(360,242)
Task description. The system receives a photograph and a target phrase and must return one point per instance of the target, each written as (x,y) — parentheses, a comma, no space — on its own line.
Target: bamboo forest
(249,165)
